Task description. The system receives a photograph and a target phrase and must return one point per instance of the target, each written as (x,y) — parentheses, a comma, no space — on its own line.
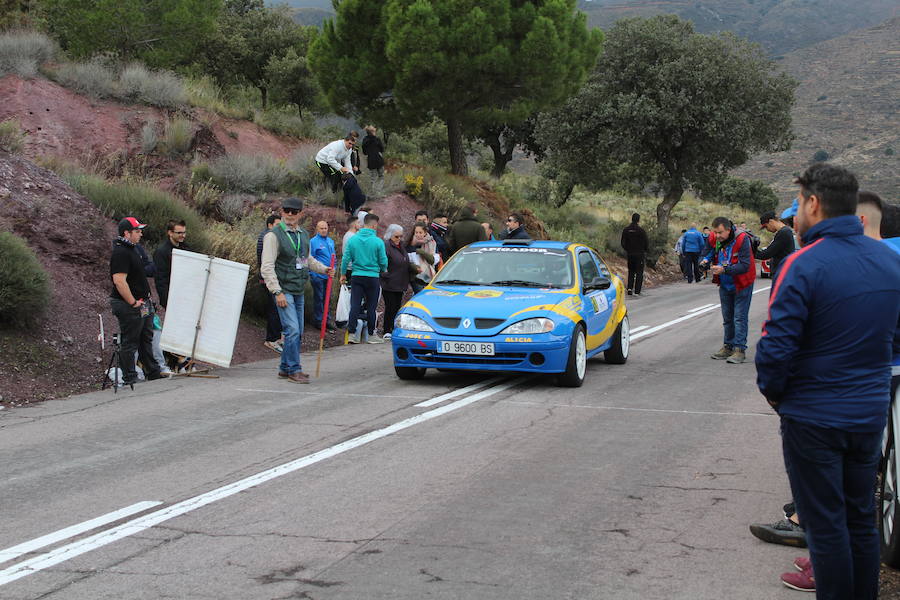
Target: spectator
(515,228)
(334,159)
(707,235)
(782,244)
(274,340)
(734,271)
(438,231)
(321,248)
(354,156)
(823,362)
(635,243)
(285,268)
(397,277)
(869,209)
(422,216)
(354,197)
(679,252)
(467,230)
(694,245)
(489,230)
(367,255)
(176,231)
(424,247)
(131,304)
(353,225)
(373,148)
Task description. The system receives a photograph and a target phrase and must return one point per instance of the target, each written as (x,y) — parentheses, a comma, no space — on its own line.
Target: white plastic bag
(342,313)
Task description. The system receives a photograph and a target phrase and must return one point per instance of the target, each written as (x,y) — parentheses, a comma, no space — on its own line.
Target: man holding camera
(130,302)
(734,270)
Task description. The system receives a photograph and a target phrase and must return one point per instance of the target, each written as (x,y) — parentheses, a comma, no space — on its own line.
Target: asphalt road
(638,485)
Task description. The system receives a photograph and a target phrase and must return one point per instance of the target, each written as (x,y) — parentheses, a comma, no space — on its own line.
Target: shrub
(754,195)
(149,138)
(203,92)
(177,137)
(151,205)
(284,121)
(820,156)
(231,207)
(204,196)
(24,284)
(888,151)
(23,52)
(249,173)
(442,199)
(303,168)
(12,138)
(157,88)
(91,78)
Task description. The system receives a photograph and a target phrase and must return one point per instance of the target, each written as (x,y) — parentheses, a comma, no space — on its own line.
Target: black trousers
(366,288)
(692,266)
(273,321)
(137,334)
(635,273)
(332,177)
(392,303)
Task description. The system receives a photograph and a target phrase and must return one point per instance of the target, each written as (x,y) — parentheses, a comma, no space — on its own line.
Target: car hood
(487,308)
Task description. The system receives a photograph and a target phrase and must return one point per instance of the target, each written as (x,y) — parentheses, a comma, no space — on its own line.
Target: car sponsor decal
(517,339)
(533,297)
(414,304)
(417,336)
(484,294)
(549,251)
(441,293)
(599,302)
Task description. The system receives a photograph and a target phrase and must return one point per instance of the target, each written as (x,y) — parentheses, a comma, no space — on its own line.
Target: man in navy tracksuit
(823,362)
(693,244)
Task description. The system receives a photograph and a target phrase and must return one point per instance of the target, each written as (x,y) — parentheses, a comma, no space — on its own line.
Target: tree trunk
(458,164)
(564,188)
(663,210)
(502,157)
(264,91)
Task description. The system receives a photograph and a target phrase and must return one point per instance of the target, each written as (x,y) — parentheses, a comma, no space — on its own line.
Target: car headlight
(539,325)
(411,322)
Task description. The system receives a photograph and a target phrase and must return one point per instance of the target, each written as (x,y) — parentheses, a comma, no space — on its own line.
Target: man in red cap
(130,302)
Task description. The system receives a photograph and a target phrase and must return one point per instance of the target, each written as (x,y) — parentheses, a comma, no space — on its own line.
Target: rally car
(515,305)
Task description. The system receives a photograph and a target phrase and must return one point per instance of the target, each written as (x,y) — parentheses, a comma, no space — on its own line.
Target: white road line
(77,548)
(653,410)
(459,392)
(68,532)
(696,312)
(641,328)
(701,307)
(295,392)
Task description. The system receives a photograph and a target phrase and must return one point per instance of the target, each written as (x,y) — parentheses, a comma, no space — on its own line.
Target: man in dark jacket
(373,148)
(635,243)
(466,230)
(438,230)
(823,362)
(515,228)
(693,245)
(273,321)
(782,244)
(734,270)
(175,234)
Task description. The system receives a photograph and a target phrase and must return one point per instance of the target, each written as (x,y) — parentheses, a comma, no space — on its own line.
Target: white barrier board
(218,310)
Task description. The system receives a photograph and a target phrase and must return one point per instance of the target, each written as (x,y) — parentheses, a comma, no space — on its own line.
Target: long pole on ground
(325,310)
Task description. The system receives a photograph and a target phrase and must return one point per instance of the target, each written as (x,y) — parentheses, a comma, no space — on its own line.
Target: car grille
(501,358)
(487,323)
(448,322)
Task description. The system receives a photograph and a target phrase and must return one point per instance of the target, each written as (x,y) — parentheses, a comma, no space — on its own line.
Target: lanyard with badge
(301,263)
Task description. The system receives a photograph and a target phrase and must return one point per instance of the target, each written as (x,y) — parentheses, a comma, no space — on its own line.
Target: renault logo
(467,323)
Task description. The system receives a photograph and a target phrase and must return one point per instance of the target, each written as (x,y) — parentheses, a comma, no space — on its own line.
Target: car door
(597,306)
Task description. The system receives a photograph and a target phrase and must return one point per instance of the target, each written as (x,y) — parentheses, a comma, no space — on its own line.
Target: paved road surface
(638,485)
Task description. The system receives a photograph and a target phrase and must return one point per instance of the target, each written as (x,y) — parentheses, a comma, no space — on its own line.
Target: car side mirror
(598,283)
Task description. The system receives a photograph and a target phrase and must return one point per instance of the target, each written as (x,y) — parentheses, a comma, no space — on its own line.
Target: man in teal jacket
(365,251)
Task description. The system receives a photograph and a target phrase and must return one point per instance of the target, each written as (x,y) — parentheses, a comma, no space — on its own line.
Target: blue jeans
(735,313)
(292,327)
(318,285)
(832,475)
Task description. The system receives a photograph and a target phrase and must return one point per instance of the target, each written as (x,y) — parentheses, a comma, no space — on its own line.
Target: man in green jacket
(365,251)
(466,230)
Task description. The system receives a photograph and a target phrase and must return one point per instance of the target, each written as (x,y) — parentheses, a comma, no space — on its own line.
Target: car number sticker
(471,348)
(484,294)
(600,302)
(441,293)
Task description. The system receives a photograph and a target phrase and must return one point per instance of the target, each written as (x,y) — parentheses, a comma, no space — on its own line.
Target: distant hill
(848,106)
(311,16)
(780,26)
(320,4)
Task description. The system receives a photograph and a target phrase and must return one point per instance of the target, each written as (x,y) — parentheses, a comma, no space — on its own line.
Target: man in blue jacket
(692,245)
(321,248)
(823,362)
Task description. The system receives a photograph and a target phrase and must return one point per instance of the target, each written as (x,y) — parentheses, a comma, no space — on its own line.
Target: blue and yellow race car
(516,305)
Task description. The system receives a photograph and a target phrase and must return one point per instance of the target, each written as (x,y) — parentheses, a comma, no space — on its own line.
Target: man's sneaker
(737,357)
(387,336)
(802,563)
(784,532)
(802,581)
(298,377)
(353,338)
(273,346)
(166,371)
(723,353)
(375,339)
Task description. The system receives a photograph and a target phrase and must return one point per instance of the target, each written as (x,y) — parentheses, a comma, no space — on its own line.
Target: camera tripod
(115,364)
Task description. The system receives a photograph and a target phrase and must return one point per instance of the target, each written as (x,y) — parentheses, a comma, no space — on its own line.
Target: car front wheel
(577,363)
(618,352)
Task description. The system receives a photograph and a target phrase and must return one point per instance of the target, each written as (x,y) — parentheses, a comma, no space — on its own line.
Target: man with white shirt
(334,159)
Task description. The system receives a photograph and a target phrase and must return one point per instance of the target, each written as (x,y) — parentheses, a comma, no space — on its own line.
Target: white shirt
(336,154)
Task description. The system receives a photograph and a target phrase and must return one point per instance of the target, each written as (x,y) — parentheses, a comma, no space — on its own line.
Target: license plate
(471,348)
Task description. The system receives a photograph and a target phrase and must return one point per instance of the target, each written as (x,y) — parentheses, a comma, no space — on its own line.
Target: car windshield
(509,266)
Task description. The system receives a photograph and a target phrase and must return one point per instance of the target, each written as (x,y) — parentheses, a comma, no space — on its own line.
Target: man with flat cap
(782,244)
(130,302)
(285,268)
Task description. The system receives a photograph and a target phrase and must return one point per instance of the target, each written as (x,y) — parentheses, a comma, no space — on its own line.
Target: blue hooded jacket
(825,352)
(693,241)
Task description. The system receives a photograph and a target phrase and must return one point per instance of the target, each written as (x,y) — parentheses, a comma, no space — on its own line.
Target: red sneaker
(802,581)
(802,563)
